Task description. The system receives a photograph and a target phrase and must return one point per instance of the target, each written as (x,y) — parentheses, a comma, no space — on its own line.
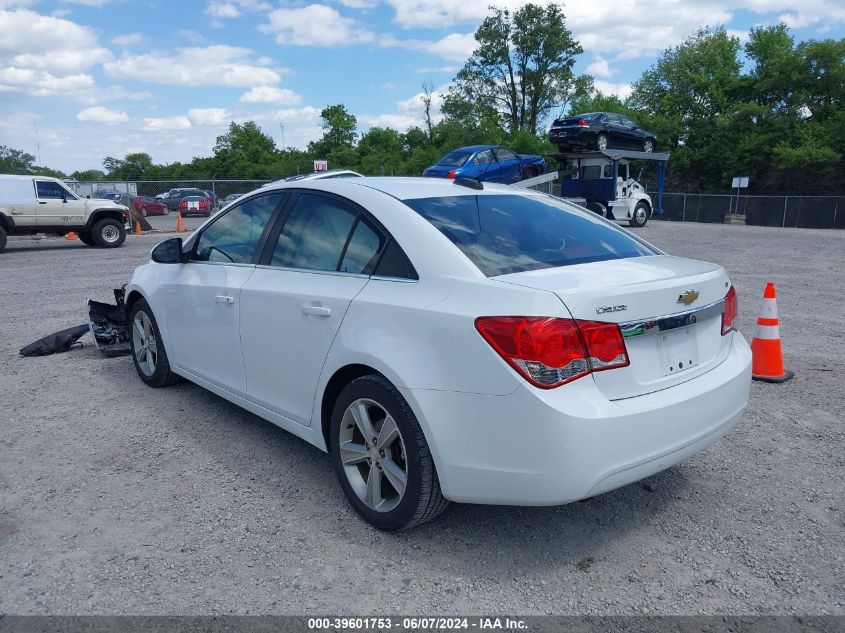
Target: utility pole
(282,125)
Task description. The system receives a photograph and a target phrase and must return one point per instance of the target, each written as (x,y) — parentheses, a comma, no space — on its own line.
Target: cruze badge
(606,309)
(688,297)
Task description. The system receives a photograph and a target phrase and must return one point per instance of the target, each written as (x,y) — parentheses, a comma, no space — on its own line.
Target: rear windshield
(455,159)
(504,234)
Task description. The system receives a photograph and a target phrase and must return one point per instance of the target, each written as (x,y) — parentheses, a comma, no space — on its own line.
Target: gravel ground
(115,498)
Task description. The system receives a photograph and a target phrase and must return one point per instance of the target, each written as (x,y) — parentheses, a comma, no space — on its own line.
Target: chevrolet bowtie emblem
(688,297)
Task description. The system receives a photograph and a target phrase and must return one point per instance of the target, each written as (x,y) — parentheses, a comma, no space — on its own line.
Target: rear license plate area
(677,350)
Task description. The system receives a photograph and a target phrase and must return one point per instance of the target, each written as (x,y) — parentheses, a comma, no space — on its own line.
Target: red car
(147,205)
(195,205)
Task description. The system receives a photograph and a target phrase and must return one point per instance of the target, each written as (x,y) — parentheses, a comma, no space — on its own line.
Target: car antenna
(495,156)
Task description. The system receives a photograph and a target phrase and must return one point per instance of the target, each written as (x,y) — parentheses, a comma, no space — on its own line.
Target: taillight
(550,352)
(583,123)
(731,312)
(451,174)
(183,204)
(203,204)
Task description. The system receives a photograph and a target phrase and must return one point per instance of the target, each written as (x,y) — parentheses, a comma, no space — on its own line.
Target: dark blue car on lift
(487,163)
(600,131)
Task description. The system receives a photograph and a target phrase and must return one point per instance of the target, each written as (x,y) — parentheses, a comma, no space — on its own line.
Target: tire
(649,145)
(595,207)
(640,216)
(3,239)
(165,211)
(108,233)
(143,212)
(373,399)
(529,172)
(153,367)
(601,142)
(86,238)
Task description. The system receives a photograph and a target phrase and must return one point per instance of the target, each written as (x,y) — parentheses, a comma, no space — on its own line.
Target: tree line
(771,109)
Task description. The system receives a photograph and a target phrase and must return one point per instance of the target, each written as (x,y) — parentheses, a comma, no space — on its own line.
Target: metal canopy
(612,154)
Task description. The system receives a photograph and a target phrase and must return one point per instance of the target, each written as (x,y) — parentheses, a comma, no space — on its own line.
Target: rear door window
(314,234)
(507,233)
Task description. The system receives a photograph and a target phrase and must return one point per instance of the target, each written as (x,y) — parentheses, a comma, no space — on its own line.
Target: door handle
(42,202)
(317,310)
(224,299)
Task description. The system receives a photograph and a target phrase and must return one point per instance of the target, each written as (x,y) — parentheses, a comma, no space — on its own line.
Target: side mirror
(168,251)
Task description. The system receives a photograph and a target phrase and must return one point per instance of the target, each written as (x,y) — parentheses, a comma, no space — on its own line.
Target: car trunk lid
(669,309)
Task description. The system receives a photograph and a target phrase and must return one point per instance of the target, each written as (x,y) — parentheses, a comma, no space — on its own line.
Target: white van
(40,204)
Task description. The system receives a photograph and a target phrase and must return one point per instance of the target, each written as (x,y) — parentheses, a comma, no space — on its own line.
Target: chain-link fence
(822,212)
(816,212)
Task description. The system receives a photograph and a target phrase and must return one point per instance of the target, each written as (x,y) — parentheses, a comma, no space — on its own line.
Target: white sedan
(447,341)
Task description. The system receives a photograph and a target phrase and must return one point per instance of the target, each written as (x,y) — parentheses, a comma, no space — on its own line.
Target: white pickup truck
(39,204)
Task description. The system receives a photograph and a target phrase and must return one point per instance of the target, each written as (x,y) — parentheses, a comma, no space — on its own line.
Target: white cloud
(628,29)
(315,25)
(621,90)
(31,41)
(222,10)
(271,94)
(600,68)
(208,116)
(99,114)
(167,123)
(129,38)
(217,65)
(359,4)
(453,47)
(400,122)
(40,83)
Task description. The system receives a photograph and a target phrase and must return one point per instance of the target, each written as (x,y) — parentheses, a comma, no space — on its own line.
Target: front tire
(109,233)
(86,238)
(648,145)
(381,457)
(640,215)
(3,238)
(148,351)
(144,212)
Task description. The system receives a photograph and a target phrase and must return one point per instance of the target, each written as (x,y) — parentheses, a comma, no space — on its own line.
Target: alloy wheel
(144,344)
(601,142)
(373,455)
(648,146)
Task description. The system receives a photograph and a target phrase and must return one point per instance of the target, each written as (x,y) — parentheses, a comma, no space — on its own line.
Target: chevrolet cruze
(447,340)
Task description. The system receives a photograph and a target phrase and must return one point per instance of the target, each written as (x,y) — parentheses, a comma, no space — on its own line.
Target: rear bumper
(536,447)
(575,136)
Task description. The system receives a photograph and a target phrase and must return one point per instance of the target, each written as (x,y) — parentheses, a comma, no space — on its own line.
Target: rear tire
(143,212)
(86,238)
(375,462)
(148,351)
(3,239)
(648,145)
(640,216)
(109,233)
(601,142)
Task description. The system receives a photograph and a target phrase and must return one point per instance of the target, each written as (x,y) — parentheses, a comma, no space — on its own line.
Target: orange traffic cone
(70,235)
(767,358)
(180,224)
(137,229)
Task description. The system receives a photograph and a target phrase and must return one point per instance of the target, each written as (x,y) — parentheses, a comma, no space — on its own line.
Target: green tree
(245,151)
(520,70)
(15,161)
(339,134)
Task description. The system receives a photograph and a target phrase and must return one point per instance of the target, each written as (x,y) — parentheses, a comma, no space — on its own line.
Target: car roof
(400,187)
